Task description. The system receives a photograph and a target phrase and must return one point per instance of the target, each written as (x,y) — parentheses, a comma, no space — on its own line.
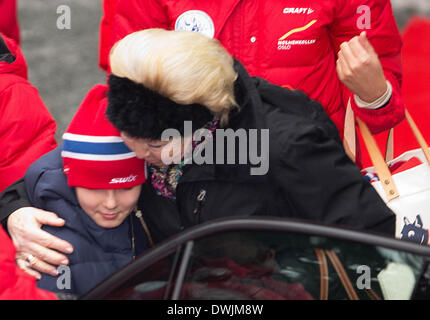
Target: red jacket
(415,56)
(26,127)
(8,19)
(416,78)
(290,43)
(15,284)
(106,25)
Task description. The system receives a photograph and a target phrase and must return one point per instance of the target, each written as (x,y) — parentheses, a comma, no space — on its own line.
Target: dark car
(271,258)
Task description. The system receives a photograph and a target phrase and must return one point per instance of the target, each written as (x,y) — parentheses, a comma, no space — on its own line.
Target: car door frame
(178,242)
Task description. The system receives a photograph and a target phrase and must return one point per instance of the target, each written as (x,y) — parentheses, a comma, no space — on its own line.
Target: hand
(24,226)
(359,68)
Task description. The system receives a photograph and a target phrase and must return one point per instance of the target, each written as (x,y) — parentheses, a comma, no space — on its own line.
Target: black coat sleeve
(11,199)
(320,182)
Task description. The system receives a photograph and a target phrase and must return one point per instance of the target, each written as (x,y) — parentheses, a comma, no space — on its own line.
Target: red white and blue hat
(94,154)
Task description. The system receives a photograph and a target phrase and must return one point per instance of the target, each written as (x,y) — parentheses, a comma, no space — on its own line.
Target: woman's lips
(109,216)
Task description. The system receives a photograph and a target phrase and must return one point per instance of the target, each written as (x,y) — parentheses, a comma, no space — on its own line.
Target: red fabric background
(415,90)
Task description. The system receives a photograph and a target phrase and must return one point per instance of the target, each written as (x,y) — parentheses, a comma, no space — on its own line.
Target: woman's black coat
(310,177)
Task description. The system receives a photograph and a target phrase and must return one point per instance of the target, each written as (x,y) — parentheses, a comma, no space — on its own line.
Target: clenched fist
(359,68)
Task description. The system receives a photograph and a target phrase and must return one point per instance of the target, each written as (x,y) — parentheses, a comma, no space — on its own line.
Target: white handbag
(407,193)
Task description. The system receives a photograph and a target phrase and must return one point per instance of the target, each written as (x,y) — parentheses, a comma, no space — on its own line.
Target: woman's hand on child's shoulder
(36,247)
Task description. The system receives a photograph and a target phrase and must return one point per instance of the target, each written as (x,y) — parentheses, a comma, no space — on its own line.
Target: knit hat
(94,154)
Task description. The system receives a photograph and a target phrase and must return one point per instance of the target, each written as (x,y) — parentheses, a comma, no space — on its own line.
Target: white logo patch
(130,178)
(196,21)
(298,10)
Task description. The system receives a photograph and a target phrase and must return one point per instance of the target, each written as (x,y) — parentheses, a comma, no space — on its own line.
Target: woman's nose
(143,153)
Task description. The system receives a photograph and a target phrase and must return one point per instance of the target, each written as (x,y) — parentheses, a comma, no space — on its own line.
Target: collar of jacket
(247,117)
(18,66)
(5,54)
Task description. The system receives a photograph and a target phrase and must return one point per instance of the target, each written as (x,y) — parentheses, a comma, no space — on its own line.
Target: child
(94,189)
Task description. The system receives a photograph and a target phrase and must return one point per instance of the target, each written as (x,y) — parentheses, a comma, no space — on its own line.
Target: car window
(277,265)
(152,283)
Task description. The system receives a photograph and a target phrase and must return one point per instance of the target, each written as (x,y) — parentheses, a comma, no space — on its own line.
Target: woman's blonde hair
(186,67)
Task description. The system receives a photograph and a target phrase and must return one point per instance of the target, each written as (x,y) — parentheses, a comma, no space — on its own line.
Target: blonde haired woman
(162,80)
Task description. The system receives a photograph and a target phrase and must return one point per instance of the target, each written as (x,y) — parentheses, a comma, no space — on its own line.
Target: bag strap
(350,137)
(343,276)
(421,141)
(378,161)
(322,262)
(372,294)
(381,167)
(349,134)
(340,270)
(389,146)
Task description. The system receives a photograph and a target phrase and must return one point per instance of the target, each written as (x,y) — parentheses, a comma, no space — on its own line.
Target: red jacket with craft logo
(27,128)
(290,43)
